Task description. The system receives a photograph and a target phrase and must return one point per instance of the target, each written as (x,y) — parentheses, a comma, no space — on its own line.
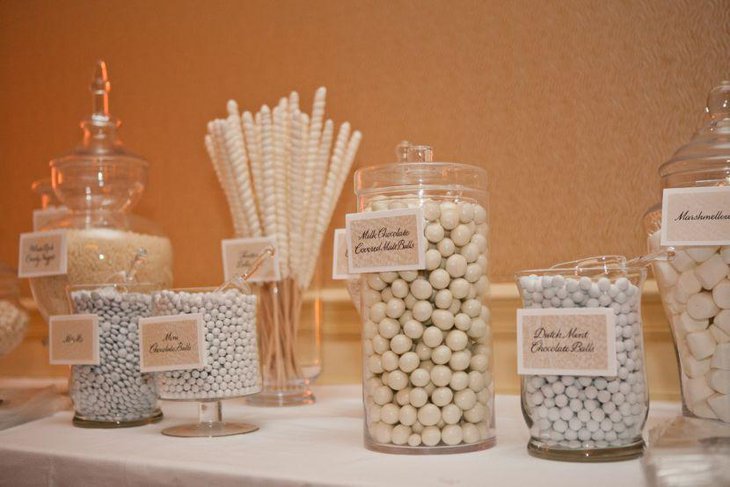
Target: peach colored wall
(571,106)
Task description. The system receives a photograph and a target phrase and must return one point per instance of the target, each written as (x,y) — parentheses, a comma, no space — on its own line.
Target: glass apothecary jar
(232,368)
(695,284)
(115,393)
(13,317)
(100,182)
(589,418)
(427,348)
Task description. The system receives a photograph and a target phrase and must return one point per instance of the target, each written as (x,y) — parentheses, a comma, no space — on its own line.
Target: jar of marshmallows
(694,220)
(427,346)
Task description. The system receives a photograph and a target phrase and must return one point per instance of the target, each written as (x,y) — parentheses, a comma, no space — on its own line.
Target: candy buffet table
(312,445)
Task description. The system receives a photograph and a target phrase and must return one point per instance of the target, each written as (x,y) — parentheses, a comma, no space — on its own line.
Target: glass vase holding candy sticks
(282,172)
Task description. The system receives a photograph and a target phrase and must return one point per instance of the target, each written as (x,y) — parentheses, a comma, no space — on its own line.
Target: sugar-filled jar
(428,384)
(100,182)
(114,393)
(695,284)
(585,319)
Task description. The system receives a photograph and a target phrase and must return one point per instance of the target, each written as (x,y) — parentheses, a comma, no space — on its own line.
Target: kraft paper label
(339,256)
(696,216)
(576,341)
(73,340)
(42,254)
(240,253)
(43,217)
(175,342)
(389,240)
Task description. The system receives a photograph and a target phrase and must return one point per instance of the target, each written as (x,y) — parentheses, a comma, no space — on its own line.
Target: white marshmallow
(701,344)
(711,272)
(688,283)
(695,368)
(701,306)
(701,254)
(722,320)
(719,335)
(719,380)
(697,390)
(720,404)
(725,253)
(690,325)
(721,294)
(703,410)
(682,261)
(721,357)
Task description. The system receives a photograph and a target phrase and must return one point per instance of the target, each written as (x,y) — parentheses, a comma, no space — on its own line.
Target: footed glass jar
(589,418)
(114,394)
(428,383)
(695,283)
(99,182)
(232,368)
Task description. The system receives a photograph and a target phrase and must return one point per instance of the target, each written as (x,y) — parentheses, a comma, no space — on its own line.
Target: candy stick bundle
(282,172)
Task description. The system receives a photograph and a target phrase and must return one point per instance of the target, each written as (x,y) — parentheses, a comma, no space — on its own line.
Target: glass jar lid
(416,170)
(705,160)
(100,173)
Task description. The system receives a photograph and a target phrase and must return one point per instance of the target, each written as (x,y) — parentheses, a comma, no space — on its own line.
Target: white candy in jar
(427,346)
(589,412)
(115,390)
(13,324)
(695,290)
(232,368)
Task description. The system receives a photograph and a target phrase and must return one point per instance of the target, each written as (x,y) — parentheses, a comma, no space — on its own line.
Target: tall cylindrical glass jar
(427,348)
(100,182)
(589,418)
(695,284)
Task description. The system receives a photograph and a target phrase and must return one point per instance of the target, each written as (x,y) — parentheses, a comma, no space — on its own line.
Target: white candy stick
(295,195)
(217,127)
(300,161)
(269,177)
(237,151)
(343,170)
(310,161)
(280,187)
(215,160)
(255,160)
(318,181)
(321,208)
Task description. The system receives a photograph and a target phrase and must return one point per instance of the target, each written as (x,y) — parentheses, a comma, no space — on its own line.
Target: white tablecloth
(320,444)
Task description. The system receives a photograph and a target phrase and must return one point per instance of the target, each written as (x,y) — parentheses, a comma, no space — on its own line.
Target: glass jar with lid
(100,182)
(428,382)
(695,284)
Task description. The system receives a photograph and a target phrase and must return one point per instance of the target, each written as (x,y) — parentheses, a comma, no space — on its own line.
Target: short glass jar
(114,394)
(100,182)
(695,284)
(584,418)
(428,383)
(232,368)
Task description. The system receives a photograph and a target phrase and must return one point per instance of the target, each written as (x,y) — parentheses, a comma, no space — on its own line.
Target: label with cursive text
(696,216)
(73,340)
(42,254)
(573,341)
(389,240)
(240,253)
(175,342)
(339,256)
